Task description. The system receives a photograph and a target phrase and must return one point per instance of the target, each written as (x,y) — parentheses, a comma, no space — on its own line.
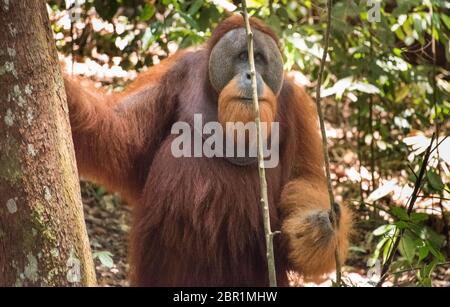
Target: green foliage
(419,246)
(137,26)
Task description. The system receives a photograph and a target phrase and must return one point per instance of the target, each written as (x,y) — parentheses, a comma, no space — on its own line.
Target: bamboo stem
(262,173)
(324,136)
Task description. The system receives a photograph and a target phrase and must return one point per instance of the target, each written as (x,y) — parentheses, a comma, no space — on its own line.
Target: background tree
(43,239)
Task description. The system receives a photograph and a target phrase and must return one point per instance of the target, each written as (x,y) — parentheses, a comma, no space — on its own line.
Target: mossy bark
(43,238)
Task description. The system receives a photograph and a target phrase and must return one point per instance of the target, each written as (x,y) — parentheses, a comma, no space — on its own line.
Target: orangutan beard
(234,111)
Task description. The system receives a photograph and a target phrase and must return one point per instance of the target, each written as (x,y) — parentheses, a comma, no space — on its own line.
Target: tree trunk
(43,239)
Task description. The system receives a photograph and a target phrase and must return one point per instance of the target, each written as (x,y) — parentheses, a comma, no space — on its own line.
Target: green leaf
(397,51)
(105,258)
(436,22)
(274,22)
(401,224)
(428,269)
(373,259)
(400,34)
(432,236)
(407,247)
(282,13)
(291,13)
(100,192)
(387,249)
(423,252)
(195,7)
(148,12)
(383,229)
(418,217)
(435,252)
(400,213)
(401,94)
(426,282)
(435,181)
(106,8)
(357,249)
(189,20)
(446,20)
(208,16)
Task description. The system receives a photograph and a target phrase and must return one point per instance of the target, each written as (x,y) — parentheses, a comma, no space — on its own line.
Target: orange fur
(109,131)
(305,202)
(232,109)
(312,245)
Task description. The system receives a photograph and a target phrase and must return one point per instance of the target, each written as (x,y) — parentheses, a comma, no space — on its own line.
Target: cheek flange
(224,62)
(222,65)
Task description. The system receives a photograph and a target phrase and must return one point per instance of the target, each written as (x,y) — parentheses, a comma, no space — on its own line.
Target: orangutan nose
(245,85)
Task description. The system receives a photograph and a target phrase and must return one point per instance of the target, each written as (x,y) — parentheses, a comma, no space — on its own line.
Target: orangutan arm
(305,205)
(116,135)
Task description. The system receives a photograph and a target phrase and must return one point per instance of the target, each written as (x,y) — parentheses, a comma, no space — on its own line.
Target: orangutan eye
(243,56)
(259,58)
